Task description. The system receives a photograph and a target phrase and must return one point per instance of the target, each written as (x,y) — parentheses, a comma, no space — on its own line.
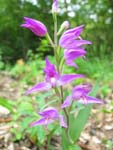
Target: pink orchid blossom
(37,27)
(53,79)
(48,116)
(80,94)
(71,38)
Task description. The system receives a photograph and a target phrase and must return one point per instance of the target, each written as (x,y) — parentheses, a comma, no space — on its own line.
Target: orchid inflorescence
(67,50)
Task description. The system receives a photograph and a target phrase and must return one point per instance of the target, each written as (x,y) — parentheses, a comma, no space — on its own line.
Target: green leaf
(37,134)
(17,135)
(25,108)
(49,103)
(5,103)
(77,147)
(77,124)
(66,144)
(25,123)
(65,140)
(40,134)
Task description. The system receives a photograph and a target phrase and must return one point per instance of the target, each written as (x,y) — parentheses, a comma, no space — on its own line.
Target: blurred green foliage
(97,16)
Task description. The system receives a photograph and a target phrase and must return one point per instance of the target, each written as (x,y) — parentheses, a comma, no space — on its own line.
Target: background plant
(96,15)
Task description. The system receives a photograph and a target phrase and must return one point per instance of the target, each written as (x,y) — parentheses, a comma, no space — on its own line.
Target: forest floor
(97,135)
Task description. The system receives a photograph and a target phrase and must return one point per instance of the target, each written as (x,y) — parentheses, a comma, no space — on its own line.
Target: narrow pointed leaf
(77,124)
(5,103)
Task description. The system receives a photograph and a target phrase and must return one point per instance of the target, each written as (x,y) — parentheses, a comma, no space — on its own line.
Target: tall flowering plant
(68,45)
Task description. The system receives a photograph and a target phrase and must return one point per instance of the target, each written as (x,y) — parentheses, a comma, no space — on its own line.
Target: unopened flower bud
(65,25)
(55,6)
(37,27)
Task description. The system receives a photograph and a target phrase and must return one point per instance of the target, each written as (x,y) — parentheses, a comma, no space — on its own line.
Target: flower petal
(74,53)
(41,121)
(50,71)
(81,90)
(62,121)
(89,100)
(70,35)
(49,112)
(71,63)
(93,100)
(76,31)
(71,54)
(71,38)
(67,102)
(68,78)
(69,42)
(43,86)
(76,43)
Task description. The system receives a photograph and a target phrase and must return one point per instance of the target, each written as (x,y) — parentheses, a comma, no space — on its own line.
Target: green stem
(61,64)
(65,111)
(49,136)
(50,40)
(71,106)
(56,42)
(57,57)
(55,30)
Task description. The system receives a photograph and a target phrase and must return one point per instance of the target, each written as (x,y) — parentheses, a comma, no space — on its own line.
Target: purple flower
(49,115)
(73,45)
(71,38)
(55,6)
(37,27)
(51,74)
(71,54)
(52,79)
(80,94)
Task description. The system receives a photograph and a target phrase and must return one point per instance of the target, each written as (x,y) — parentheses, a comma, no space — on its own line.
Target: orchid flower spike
(37,27)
